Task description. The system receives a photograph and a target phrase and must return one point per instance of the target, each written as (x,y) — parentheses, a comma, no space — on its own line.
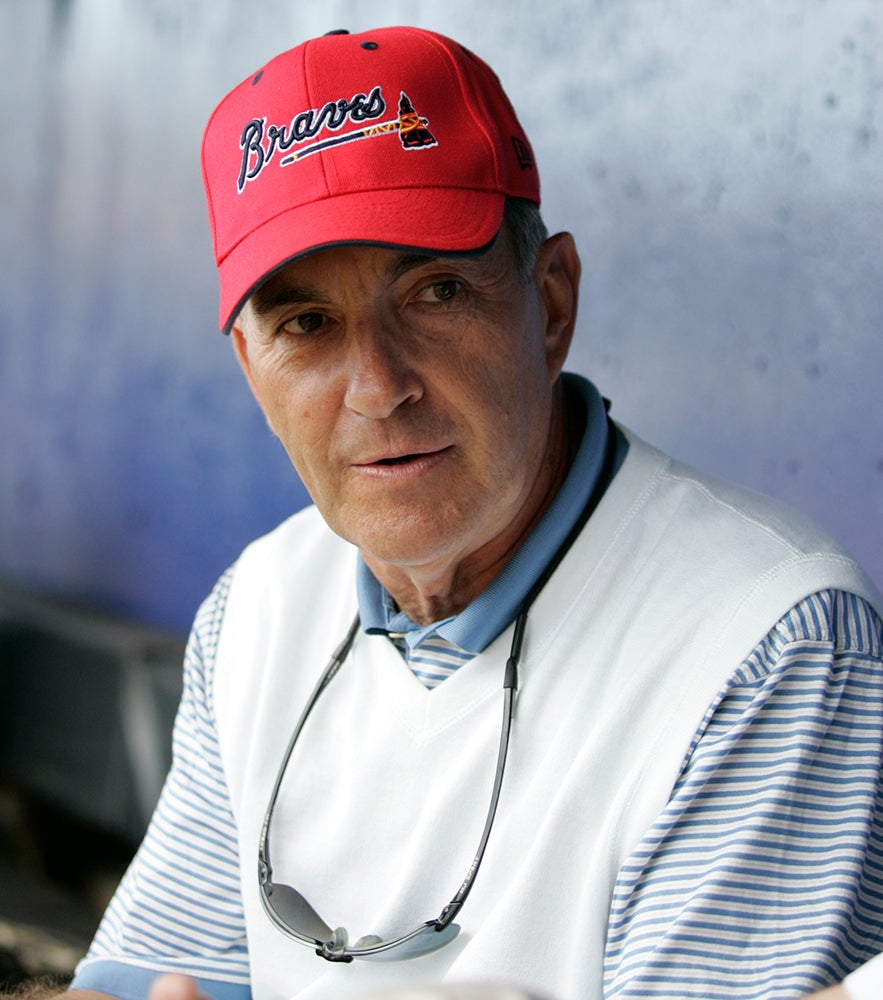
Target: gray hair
(528,232)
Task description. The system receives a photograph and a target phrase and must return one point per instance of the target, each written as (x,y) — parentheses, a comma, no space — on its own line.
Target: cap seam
(467,89)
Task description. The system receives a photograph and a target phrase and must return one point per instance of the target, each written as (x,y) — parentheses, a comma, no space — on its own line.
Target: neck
(437,591)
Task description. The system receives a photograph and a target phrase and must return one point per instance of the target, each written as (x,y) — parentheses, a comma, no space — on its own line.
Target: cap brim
(433,220)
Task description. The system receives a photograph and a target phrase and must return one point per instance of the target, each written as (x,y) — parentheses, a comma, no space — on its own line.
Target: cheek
(308,426)
(298,410)
(508,384)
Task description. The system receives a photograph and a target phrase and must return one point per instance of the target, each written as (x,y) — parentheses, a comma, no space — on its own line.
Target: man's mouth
(400,460)
(416,459)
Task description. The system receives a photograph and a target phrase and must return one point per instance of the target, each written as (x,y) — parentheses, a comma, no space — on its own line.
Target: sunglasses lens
(301,918)
(424,941)
(297,912)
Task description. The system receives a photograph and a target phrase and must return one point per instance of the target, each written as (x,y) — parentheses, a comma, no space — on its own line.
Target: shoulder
(298,543)
(753,512)
(298,569)
(270,576)
(287,579)
(288,591)
(729,528)
(835,618)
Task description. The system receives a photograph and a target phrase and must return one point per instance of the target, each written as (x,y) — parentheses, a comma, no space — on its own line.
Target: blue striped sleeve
(763,877)
(179,908)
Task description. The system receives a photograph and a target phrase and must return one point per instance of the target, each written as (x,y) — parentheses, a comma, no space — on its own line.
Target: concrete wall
(718,161)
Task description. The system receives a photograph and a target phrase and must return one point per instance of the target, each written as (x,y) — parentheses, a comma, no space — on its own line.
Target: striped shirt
(705,906)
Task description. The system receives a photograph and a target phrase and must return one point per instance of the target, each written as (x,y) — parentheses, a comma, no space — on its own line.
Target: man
(690,675)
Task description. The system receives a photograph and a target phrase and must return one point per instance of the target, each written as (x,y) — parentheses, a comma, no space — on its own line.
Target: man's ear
(557,273)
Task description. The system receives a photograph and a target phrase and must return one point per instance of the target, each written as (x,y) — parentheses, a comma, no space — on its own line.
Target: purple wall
(718,163)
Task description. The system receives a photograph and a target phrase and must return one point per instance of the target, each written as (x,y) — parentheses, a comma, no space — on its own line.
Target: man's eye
(308,322)
(441,291)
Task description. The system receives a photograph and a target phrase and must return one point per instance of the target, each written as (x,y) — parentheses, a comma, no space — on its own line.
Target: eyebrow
(411,261)
(279,294)
(408,262)
(271,296)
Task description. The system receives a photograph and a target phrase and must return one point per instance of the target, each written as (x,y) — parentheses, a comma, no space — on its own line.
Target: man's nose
(382,373)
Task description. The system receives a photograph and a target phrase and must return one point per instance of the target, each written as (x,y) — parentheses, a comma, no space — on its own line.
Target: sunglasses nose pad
(368,941)
(339,939)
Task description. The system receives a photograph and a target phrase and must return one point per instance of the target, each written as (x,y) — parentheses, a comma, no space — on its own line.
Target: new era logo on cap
(397,136)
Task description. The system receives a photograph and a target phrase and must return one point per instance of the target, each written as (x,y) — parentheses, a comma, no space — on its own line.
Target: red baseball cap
(397,136)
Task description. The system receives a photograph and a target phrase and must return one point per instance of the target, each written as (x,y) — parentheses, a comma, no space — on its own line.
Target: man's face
(414,394)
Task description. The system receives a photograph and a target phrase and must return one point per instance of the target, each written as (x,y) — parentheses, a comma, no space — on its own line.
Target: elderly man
(593,723)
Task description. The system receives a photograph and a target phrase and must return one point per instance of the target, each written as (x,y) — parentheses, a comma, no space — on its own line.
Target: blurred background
(719,163)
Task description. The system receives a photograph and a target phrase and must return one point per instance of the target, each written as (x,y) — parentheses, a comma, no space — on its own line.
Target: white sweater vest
(673,582)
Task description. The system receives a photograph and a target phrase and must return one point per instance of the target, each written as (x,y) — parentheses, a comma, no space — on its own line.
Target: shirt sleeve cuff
(131,982)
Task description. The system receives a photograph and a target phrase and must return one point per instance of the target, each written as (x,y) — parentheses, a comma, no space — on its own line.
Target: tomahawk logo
(307,133)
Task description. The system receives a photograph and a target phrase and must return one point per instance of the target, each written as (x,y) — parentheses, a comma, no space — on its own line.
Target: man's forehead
(303,276)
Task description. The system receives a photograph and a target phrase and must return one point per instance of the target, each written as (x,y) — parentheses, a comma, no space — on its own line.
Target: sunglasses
(296,918)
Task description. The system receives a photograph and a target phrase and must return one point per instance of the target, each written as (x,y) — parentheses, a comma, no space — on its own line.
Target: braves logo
(261,142)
